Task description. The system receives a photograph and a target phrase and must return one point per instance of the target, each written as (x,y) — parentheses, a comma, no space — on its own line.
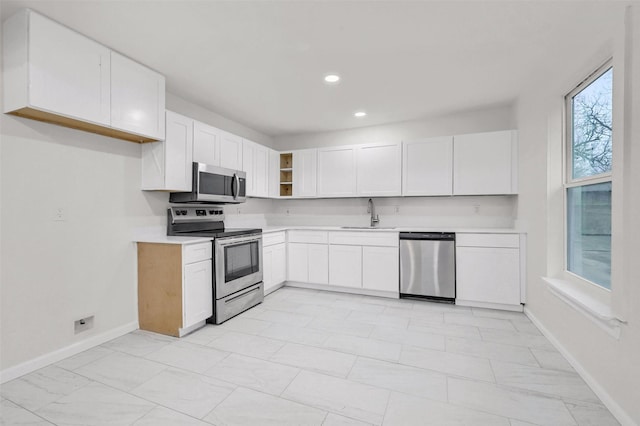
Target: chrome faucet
(374,217)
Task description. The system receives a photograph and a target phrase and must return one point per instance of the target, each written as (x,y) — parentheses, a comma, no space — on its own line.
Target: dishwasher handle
(433,236)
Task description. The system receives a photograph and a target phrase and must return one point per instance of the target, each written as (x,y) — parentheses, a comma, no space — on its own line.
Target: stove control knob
(178,212)
(184,212)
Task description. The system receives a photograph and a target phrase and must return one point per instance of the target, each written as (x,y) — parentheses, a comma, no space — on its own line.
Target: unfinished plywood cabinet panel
(174,287)
(160,287)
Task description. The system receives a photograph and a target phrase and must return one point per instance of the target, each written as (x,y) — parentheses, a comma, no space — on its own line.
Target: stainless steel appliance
(237,257)
(427,265)
(212,184)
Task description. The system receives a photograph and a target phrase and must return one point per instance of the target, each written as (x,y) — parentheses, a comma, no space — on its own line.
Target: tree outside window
(588,187)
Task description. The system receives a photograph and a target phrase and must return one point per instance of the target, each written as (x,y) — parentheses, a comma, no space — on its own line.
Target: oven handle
(232,241)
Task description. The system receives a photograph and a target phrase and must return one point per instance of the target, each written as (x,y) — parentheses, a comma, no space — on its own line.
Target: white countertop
(158,235)
(269,229)
(163,239)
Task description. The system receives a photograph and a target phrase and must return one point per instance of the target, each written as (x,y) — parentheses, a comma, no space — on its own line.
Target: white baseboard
(351,290)
(500,306)
(618,412)
(62,353)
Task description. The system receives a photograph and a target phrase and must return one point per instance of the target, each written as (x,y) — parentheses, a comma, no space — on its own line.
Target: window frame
(568,180)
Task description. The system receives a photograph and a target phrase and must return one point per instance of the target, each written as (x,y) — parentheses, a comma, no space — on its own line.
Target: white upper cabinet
(166,165)
(55,69)
(274,173)
(230,151)
(137,98)
(54,74)
(379,169)
(304,173)
(255,162)
(337,172)
(427,166)
(485,163)
(247,166)
(206,144)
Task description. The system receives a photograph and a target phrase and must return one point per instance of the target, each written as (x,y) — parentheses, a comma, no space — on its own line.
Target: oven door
(238,263)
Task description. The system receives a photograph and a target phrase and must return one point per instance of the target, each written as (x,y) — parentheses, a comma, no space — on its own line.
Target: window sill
(596,310)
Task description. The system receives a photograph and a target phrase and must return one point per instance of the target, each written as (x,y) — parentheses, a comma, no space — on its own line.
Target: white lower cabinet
(308,263)
(197,293)
(274,266)
(298,262)
(488,271)
(174,287)
(318,263)
(345,266)
(380,268)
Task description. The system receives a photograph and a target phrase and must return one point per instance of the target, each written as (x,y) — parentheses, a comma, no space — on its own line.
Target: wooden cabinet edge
(73,123)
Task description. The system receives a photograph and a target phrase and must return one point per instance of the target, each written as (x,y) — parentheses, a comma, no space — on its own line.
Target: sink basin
(367,227)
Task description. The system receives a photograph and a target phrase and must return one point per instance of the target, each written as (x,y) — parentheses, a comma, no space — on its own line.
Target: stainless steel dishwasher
(428,265)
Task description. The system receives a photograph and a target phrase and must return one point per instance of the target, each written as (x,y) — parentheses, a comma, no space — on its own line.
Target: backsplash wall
(467,212)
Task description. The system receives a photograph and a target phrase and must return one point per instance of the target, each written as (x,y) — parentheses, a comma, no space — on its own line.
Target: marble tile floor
(307,357)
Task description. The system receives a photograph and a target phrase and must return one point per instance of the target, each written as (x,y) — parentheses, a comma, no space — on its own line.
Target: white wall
(483,120)
(610,365)
(56,272)
(182,106)
(436,212)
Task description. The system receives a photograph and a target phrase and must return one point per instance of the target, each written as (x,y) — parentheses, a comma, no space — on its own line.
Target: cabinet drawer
(317,237)
(196,252)
(273,238)
(488,240)
(374,238)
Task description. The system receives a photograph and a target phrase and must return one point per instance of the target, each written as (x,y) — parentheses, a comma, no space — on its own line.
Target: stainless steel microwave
(212,184)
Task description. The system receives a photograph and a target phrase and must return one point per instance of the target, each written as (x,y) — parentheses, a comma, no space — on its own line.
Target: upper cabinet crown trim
(57,75)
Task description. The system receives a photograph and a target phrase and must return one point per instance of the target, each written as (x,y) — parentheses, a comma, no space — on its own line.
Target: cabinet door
(267,267)
(485,163)
(178,152)
(261,171)
(279,264)
(248,150)
(345,266)
(69,74)
(304,173)
(230,151)
(298,261)
(488,274)
(137,98)
(197,294)
(318,263)
(381,269)
(336,172)
(379,169)
(427,166)
(274,174)
(206,144)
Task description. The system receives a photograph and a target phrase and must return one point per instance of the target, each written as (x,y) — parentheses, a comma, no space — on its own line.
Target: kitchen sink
(367,227)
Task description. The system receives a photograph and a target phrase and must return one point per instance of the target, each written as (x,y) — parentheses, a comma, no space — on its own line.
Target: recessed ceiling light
(331,78)
(360,114)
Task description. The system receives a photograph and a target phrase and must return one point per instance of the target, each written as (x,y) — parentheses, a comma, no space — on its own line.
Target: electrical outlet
(59,215)
(83,324)
(476,208)
(397,209)
(239,211)
(287,212)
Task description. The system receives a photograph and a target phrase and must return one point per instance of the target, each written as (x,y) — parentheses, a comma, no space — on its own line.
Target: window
(588,178)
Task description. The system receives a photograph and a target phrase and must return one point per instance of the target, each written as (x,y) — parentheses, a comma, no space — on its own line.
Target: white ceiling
(261,63)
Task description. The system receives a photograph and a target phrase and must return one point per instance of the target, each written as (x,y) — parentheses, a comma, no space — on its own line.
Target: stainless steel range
(237,257)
